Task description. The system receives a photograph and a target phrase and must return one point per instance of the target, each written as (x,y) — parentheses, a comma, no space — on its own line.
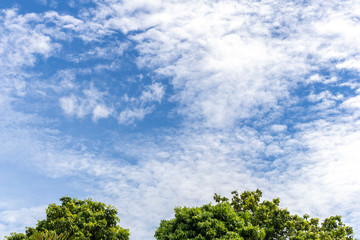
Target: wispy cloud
(91,102)
(282,46)
(265,93)
(129,116)
(16,220)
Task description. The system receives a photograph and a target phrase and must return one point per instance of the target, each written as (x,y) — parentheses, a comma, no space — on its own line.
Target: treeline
(242,217)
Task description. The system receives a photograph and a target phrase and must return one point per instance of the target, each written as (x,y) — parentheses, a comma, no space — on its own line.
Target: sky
(150,104)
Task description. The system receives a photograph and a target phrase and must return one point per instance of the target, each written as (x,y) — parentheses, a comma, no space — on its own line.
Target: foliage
(245,217)
(208,222)
(76,220)
(16,236)
(48,235)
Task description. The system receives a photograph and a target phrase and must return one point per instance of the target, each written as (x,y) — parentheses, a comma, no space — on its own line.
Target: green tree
(208,222)
(76,220)
(246,217)
(45,235)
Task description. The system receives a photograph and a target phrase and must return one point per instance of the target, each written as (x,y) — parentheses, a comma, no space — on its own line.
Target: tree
(46,235)
(208,222)
(245,217)
(76,220)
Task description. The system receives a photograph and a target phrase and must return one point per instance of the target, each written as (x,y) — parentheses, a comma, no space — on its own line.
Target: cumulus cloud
(100,111)
(68,104)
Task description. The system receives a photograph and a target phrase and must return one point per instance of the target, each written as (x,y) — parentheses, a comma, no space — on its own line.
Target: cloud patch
(92,102)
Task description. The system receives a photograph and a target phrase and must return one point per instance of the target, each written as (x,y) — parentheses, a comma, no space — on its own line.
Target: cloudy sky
(151,104)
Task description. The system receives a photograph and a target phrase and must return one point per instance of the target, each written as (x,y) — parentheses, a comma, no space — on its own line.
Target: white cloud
(278,128)
(92,102)
(350,64)
(21,41)
(154,93)
(221,68)
(17,220)
(68,104)
(129,116)
(20,45)
(325,95)
(100,111)
(31,214)
(230,61)
(330,165)
(352,103)
(111,52)
(227,61)
(316,78)
(177,169)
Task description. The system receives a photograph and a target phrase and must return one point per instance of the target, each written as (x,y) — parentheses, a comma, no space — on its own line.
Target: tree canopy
(76,220)
(246,217)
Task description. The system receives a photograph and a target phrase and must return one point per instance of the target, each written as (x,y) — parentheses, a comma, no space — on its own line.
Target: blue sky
(147,105)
